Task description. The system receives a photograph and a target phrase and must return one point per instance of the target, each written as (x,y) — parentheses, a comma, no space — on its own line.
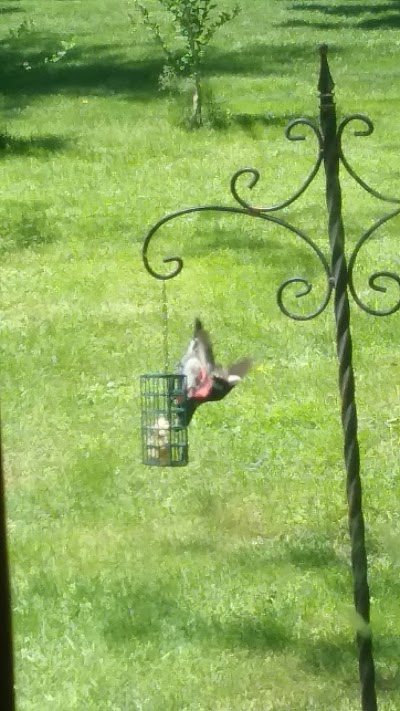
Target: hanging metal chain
(165,316)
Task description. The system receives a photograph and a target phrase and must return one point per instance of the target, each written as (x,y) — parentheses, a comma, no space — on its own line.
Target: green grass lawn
(224,585)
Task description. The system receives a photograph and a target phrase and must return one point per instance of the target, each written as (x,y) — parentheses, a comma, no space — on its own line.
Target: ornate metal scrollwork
(373,278)
(255,175)
(381,274)
(367,132)
(255,214)
(262,213)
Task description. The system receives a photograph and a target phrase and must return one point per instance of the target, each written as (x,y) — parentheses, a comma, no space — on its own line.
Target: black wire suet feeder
(164,426)
(163,403)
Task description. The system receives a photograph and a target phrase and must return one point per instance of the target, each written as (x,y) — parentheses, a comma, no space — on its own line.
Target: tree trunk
(196,118)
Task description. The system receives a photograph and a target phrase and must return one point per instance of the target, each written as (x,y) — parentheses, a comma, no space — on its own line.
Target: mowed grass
(225,585)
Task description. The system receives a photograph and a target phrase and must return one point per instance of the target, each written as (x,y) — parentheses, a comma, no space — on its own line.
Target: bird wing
(235,372)
(239,369)
(203,347)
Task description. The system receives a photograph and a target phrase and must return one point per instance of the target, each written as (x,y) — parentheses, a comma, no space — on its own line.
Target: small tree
(195,23)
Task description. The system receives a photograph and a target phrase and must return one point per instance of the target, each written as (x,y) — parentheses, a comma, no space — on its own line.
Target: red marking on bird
(204,387)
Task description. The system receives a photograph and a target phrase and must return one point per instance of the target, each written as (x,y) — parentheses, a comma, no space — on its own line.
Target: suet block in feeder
(164,420)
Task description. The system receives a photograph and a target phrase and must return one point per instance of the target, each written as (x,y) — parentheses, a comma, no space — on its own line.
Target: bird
(207,381)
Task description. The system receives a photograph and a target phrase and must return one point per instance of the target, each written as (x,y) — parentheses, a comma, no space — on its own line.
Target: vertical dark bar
(6,647)
(346,384)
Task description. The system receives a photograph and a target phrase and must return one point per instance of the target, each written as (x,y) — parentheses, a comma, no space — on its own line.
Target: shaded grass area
(99,70)
(106,69)
(363,16)
(226,585)
(32,146)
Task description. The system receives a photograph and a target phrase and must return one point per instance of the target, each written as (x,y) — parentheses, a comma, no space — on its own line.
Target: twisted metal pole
(340,280)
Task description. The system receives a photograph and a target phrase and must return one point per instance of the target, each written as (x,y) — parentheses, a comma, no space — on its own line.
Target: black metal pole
(6,649)
(340,277)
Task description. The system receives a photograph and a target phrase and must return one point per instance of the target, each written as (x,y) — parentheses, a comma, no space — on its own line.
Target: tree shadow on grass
(151,610)
(141,612)
(353,16)
(348,10)
(255,632)
(158,612)
(252,123)
(312,553)
(32,146)
(25,68)
(10,10)
(337,656)
(391,22)
(387,648)
(292,24)
(137,80)
(27,227)
(334,655)
(260,59)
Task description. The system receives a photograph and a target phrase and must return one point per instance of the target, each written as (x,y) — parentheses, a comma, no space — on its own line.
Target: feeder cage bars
(164,427)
